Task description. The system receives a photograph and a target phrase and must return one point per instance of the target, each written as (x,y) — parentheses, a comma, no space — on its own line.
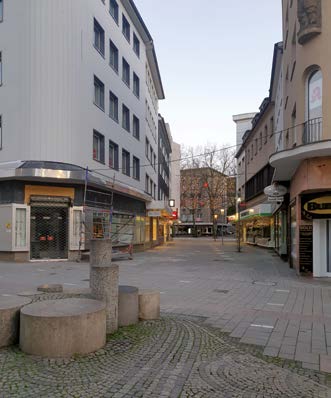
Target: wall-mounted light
(222,212)
(172,203)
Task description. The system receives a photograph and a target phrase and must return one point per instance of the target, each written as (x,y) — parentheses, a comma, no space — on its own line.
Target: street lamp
(215,226)
(239,226)
(222,225)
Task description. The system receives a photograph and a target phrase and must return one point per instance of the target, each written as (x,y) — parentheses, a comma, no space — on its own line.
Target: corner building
(302,159)
(79,88)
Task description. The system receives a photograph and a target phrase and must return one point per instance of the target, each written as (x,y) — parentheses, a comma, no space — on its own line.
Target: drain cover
(262,283)
(221,291)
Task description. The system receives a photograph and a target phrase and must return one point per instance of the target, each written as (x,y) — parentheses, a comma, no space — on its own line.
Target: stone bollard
(104,280)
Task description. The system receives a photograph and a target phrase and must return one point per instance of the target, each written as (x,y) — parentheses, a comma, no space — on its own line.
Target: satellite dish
(275,190)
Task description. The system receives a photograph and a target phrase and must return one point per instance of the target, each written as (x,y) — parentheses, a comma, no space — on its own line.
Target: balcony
(296,144)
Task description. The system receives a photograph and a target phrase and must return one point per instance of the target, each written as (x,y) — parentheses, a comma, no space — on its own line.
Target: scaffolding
(100,221)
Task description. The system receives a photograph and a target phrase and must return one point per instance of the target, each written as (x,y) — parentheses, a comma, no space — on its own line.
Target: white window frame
(26,247)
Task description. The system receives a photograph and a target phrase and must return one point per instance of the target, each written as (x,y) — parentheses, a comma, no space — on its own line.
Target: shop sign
(316,206)
(306,248)
(154,213)
(174,215)
(277,199)
(275,191)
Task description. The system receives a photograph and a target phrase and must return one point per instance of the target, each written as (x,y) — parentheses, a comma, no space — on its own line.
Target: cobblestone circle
(173,357)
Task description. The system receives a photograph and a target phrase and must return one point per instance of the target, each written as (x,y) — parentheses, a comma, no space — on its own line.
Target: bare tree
(208,178)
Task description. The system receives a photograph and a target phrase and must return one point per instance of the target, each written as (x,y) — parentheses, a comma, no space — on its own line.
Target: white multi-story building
(79,89)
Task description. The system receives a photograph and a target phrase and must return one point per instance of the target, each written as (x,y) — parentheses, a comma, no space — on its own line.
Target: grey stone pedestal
(9,318)
(127,305)
(104,280)
(62,328)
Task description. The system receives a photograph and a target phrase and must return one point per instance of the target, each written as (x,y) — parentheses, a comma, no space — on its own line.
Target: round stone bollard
(62,328)
(149,304)
(128,306)
(104,280)
(9,318)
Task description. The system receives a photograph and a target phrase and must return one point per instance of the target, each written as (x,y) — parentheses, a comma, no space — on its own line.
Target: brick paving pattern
(173,357)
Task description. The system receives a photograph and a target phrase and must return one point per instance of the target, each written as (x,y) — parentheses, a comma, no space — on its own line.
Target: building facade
(302,159)
(204,200)
(83,97)
(254,170)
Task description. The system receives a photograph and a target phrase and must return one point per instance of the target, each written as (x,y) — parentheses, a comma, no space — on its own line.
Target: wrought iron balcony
(312,131)
(296,144)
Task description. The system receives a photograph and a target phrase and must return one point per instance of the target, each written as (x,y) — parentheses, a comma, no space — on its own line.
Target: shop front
(258,226)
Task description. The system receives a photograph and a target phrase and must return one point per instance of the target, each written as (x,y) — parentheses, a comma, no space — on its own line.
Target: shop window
(20,228)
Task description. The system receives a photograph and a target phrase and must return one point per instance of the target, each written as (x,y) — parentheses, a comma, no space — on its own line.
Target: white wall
(46,99)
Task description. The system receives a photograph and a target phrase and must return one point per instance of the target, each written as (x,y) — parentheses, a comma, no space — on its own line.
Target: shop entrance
(322,248)
(49,229)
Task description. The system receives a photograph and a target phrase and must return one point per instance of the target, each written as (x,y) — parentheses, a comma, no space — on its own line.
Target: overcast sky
(215,60)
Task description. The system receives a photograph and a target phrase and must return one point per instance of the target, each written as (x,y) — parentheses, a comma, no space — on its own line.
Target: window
(99,93)
(147,148)
(113,155)
(113,106)
(99,38)
(0,132)
(136,127)
(155,162)
(260,145)
(125,72)
(1,10)
(125,118)
(113,56)
(272,121)
(136,85)
(252,151)
(113,9)
(126,28)
(20,228)
(265,134)
(154,196)
(136,45)
(136,168)
(315,95)
(151,154)
(125,162)
(146,183)
(150,187)
(0,68)
(98,147)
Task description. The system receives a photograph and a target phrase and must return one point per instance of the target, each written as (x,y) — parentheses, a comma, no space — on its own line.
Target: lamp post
(239,226)
(215,226)
(222,224)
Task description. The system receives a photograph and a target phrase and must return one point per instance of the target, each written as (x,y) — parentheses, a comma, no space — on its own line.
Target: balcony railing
(302,134)
(312,131)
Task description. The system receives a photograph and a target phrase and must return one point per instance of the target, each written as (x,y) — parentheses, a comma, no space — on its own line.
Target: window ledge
(113,68)
(98,106)
(98,50)
(114,119)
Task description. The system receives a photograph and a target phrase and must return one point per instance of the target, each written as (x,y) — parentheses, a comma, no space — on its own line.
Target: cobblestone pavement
(173,357)
(253,295)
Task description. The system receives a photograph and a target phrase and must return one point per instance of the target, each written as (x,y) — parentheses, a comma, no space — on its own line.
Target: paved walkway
(174,357)
(252,295)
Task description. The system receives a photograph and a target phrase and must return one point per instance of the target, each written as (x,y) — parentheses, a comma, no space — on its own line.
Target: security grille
(49,228)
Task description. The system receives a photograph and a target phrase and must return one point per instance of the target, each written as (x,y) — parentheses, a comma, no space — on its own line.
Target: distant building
(204,198)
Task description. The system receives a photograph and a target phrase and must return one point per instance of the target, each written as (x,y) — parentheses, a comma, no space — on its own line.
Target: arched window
(313,126)
(315,95)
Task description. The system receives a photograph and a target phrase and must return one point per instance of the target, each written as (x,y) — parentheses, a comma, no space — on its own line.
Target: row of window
(126,28)
(99,44)
(257,145)
(150,154)
(150,186)
(113,160)
(99,101)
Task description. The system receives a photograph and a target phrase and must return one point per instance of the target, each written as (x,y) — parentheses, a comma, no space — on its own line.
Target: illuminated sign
(314,206)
